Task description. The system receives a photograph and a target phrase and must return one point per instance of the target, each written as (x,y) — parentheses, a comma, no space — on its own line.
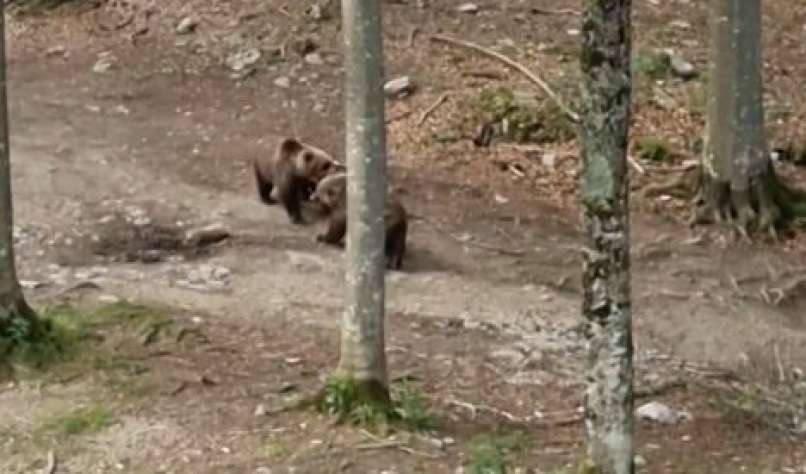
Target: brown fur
(331,196)
(291,174)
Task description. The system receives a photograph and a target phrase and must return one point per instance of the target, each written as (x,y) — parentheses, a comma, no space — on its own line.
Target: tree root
(766,205)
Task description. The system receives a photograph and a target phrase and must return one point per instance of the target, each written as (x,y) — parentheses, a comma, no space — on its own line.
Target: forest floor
(127,133)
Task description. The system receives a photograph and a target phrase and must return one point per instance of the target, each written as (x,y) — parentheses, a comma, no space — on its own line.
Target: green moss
(84,420)
(492,453)
(370,404)
(522,119)
(653,149)
(653,65)
(68,332)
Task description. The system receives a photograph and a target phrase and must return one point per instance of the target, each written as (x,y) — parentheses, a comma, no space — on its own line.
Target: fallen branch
(52,465)
(440,100)
(490,247)
(526,72)
(636,165)
(659,389)
(412,35)
(397,117)
(474,409)
(549,11)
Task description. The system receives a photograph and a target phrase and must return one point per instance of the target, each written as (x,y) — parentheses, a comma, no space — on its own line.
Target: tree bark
(738,181)
(13,306)
(606,307)
(363,356)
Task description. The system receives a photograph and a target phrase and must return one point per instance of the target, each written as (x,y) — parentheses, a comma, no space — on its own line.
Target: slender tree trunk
(12,302)
(738,180)
(362,335)
(606,307)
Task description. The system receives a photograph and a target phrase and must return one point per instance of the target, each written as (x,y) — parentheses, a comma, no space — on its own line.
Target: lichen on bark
(606,307)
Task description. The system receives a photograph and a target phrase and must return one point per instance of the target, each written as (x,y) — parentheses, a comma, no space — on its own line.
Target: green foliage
(65,328)
(492,454)
(36,7)
(412,409)
(521,121)
(654,66)
(653,149)
(369,404)
(354,402)
(85,420)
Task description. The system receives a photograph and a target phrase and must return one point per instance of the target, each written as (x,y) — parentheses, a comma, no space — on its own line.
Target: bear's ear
(290,146)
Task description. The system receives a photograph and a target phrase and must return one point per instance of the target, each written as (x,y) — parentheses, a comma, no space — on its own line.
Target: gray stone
(470,8)
(186,25)
(398,87)
(243,58)
(314,59)
(659,413)
(680,67)
(283,82)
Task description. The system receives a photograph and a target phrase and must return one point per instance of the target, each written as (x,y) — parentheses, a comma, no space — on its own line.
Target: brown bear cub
(291,175)
(331,196)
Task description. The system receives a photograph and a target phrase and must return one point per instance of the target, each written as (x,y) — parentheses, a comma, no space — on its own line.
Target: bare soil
(112,168)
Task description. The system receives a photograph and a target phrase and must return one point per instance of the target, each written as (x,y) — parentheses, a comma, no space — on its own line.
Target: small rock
(314,59)
(639,461)
(680,67)
(58,50)
(283,82)
(305,262)
(109,299)
(549,159)
(399,87)
(658,412)
(293,360)
(510,356)
(260,410)
(243,58)
(103,64)
(470,8)
(186,25)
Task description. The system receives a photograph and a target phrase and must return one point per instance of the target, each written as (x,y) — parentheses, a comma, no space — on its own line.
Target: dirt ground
(112,166)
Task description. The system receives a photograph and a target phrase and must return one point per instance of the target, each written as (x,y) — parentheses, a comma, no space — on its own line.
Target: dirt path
(98,156)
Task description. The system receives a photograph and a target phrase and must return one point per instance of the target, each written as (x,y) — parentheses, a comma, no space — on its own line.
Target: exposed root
(766,205)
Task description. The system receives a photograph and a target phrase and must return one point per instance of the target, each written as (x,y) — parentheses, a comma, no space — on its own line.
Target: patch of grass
(84,420)
(371,405)
(68,330)
(412,409)
(522,119)
(653,149)
(652,65)
(492,453)
(36,7)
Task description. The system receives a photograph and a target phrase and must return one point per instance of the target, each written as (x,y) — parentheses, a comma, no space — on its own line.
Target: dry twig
(52,465)
(440,100)
(526,72)
(549,11)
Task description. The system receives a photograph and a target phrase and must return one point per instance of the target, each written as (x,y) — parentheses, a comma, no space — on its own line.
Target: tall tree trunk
(13,306)
(738,180)
(363,356)
(606,307)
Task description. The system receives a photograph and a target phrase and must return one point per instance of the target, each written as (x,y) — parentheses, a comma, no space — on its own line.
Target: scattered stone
(207,235)
(283,82)
(511,357)
(314,59)
(109,299)
(261,410)
(305,262)
(639,461)
(104,63)
(243,59)
(399,87)
(205,278)
(470,8)
(58,50)
(549,159)
(659,413)
(293,360)
(187,25)
(680,67)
